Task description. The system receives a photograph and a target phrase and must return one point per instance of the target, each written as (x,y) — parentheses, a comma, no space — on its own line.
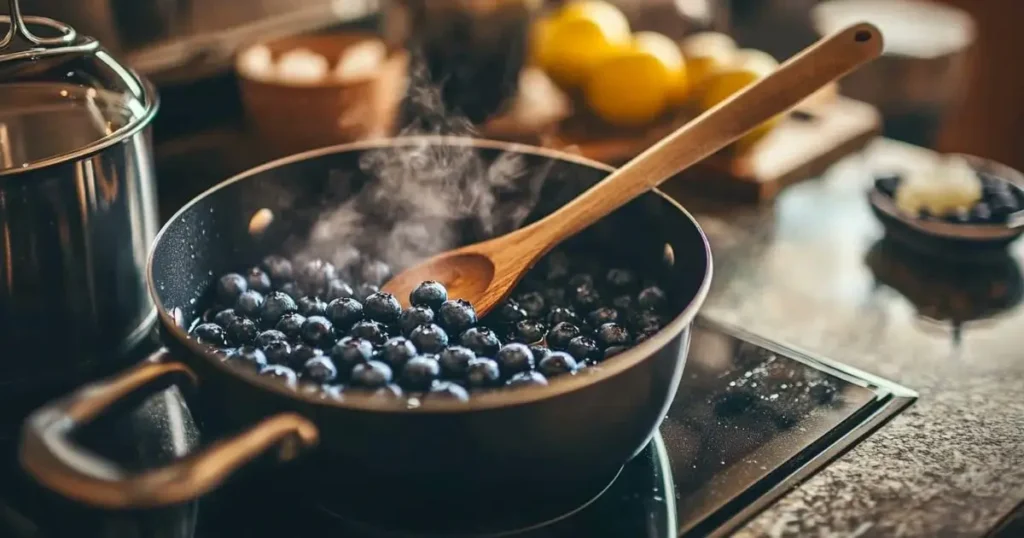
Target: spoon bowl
(466,273)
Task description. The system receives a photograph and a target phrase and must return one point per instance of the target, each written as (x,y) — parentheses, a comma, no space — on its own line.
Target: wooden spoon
(484,273)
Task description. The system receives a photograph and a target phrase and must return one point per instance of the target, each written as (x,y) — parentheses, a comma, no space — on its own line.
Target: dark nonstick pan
(554,446)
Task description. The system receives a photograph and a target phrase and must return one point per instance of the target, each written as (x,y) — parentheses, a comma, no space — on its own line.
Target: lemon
(750,67)
(628,90)
(667,52)
(705,54)
(578,37)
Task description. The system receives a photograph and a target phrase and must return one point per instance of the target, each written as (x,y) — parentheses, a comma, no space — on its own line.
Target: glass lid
(62,96)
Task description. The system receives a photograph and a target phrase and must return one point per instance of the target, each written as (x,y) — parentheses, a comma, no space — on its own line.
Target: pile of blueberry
(305,325)
(999,199)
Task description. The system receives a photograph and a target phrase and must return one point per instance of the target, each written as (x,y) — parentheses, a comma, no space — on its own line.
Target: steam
(426,198)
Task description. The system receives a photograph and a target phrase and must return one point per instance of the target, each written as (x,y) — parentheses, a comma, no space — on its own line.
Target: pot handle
(49,454)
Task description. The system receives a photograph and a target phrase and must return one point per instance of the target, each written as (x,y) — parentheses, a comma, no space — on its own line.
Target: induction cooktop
(752,419)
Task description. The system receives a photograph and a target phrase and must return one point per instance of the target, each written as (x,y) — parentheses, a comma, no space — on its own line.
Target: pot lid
(62,95)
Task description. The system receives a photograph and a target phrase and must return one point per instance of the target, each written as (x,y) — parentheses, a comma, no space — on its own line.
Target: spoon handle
(796,79)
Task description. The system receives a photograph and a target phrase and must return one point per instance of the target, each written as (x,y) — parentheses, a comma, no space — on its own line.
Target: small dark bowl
(959,241)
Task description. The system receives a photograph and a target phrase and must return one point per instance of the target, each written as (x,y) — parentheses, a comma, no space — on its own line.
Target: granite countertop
(809,270)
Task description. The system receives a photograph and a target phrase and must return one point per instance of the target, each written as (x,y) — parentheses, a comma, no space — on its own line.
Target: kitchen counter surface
(809,270)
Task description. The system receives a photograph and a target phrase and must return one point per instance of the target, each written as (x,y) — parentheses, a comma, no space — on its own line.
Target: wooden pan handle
(800,76)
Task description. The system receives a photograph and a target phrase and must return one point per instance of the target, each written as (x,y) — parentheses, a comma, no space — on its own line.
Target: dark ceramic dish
(954,240)
(561,443)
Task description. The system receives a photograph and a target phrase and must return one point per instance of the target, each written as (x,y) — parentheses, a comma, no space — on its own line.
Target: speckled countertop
(808,270)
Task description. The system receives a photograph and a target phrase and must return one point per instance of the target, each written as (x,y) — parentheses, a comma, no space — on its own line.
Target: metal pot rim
(484,401)
(149,98)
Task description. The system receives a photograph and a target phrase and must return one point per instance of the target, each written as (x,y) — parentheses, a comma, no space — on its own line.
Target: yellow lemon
(628,90)
(579,37)
(705,54)
(667,52)
(749,68)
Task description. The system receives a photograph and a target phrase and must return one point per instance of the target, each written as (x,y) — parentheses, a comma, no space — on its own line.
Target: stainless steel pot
(77,204)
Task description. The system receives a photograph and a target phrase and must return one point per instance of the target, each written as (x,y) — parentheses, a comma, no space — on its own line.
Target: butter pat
(950,186)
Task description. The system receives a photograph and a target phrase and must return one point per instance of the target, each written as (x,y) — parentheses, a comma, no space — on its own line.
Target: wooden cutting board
(819,132)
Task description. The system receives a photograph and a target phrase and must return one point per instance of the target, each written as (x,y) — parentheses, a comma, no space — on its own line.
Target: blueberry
(229,287)
(280,373)
(318,331)
(621,279)
(414,317)
(559,314)
(257,279)
(314,275)
(349,352)
(388,392)
(242,331)
(396,352)
(363,291)
(482,372)
(311,306)
(374,331)
(429,293)
(278,351)
(558,363)
(958,216)
(583,348)
(613,351)
(525,379)
(291,325)
(291,289)
(372,374)
(581,280)
(276,305)
(510,312)
(555,266)
(344,312)
(375,272)
(623,302)
(530,331)
(644,335)
(586,298)
(602,315)
(532,303)
(481,340)
(272,335)
(446,391)
(612,334)
(320,370)
(248,358)
(455,361)
(924,214)
(278,268)
(645,321)
(457,316)
(420,372)
(210,334)
(382,307)
(302,353)
(539,352)
(249,304)
(338,289)
(560,335)
(514,358)
(429,338)
(980,214)
(887,184)
(554,297)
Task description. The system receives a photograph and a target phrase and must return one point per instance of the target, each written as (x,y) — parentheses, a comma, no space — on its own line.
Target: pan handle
(49,454)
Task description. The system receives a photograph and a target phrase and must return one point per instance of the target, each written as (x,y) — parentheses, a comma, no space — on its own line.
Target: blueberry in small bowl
(959,205)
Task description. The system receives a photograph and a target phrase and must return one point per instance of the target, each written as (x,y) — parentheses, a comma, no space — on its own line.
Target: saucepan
(551,445)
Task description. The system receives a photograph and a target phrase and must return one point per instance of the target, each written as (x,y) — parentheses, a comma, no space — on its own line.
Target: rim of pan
(489,399)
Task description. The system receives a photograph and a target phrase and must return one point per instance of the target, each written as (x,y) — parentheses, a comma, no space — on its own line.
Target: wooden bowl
(292,117)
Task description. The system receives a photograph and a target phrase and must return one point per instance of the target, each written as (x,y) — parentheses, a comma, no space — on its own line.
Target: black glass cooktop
(751,421)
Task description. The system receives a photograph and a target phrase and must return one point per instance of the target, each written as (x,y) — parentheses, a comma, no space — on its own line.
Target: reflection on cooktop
(752,419)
